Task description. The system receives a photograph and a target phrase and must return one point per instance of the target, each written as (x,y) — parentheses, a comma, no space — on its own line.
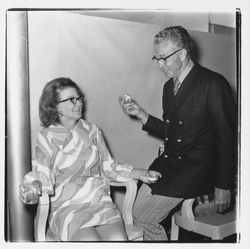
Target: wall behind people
(107,58)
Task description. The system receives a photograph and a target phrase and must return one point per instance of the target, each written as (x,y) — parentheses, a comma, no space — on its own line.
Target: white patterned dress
(73,167)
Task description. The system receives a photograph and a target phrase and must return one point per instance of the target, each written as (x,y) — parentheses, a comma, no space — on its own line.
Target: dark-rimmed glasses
(163,59)
(73,100)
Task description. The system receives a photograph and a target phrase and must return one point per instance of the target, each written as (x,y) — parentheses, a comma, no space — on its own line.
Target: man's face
(172,65)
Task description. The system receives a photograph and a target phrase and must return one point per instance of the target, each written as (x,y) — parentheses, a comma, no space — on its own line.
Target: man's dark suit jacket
(199,128)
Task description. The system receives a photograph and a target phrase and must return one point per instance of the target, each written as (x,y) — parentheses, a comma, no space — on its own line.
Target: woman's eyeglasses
(163,59)
(73,100)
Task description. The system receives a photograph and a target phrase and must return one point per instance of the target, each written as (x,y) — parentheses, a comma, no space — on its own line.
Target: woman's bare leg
(111,232)
(86,234)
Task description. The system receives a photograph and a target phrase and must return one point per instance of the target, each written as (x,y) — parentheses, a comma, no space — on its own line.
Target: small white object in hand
(153,179)
(125,99)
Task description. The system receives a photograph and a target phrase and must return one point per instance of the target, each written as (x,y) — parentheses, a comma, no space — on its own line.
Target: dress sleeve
(110,168)
(42,165)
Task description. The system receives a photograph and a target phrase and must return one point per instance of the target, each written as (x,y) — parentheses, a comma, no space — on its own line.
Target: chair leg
(174,230)
(217,237)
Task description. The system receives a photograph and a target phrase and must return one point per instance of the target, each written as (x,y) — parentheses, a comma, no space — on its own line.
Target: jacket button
(165,156)
(179,157)
(167,121)
(179,140)
(166,139)
(180,122)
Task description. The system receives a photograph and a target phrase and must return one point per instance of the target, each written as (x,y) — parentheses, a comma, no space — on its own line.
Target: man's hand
(222,199)
(130,107)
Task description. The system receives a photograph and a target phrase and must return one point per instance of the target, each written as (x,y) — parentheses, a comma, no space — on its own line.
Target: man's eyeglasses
(73,100)
(163,59)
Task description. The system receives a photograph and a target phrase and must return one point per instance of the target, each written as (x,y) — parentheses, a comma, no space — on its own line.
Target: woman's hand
(147,176)
(29,192)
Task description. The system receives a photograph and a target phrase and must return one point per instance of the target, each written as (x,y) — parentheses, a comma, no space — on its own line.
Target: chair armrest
(186,209)
(129,199)
(41,217)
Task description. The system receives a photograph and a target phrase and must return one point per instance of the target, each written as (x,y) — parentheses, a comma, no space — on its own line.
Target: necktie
(177,85)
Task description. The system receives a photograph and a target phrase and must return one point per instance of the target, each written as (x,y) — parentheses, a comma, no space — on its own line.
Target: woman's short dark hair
(48,112)
(177,34)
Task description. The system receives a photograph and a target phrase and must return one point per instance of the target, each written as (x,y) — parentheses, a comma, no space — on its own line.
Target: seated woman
(73,164)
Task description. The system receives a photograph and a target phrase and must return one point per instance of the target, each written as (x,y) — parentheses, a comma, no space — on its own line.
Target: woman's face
(66,108)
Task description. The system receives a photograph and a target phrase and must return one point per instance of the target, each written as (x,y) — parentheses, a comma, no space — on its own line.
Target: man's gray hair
(176,34)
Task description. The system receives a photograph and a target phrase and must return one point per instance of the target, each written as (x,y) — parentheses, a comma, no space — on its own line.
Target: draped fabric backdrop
(18,217)
(108,58)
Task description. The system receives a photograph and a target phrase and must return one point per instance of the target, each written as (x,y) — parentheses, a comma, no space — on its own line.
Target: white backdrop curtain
(107,58)
(18,217)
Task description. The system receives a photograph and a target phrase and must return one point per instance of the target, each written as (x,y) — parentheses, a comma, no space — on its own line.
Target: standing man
(199,129)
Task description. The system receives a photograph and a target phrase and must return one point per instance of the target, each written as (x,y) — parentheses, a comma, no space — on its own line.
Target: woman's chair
(216,226)
(133,232)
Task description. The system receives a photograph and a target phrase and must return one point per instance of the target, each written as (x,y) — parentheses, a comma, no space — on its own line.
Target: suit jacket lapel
(171,99)
(186,88)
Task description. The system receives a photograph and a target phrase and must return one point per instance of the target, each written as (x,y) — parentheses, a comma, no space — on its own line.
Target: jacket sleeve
(154,126)
(223,115)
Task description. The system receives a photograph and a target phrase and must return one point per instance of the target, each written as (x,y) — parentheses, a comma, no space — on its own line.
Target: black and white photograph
(123,125)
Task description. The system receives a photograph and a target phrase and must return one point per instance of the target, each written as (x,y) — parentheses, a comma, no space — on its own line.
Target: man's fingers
(129,108)
(221,206)
(205,197)
(222,199)
(199,200)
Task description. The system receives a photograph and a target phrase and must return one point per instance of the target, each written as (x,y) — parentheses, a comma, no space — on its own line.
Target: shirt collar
(186,70)
(60,128)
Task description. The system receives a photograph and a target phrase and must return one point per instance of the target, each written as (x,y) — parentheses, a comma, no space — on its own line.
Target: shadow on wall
(224,65)
(195,54)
